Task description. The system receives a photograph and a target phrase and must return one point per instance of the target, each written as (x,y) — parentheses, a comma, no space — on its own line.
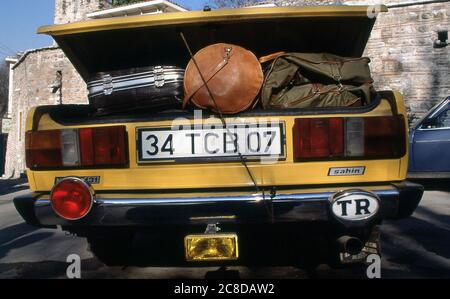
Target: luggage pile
(228,79)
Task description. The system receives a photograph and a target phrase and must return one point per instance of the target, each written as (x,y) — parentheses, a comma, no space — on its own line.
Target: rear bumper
(397,200)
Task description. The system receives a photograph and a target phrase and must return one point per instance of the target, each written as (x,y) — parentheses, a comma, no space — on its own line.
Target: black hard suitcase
(150,88)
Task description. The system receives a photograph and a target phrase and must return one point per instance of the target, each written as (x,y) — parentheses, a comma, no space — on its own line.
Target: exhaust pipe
(350,245)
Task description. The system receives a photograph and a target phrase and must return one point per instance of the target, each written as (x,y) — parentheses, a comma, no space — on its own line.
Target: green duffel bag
(304,80)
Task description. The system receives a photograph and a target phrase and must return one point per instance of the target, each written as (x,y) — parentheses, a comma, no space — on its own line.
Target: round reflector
(72,198)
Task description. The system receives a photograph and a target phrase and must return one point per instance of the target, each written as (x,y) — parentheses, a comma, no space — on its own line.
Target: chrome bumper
(299,205)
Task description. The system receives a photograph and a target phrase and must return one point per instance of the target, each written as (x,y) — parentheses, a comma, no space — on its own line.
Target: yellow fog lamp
(211,247)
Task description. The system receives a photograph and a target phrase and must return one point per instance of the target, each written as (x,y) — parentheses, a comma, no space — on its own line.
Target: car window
(443,120)
(419,123)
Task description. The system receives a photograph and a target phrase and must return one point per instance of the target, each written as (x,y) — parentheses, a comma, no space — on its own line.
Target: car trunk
(113,44)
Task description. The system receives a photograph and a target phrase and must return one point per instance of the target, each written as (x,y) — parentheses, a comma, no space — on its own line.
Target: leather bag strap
(208,76)
(270,57)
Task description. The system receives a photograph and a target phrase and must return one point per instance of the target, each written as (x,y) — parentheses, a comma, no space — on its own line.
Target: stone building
(401,49)
(69,11)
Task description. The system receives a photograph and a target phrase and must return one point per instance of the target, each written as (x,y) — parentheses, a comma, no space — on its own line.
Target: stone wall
(403,57)
(42,77)
(68,11)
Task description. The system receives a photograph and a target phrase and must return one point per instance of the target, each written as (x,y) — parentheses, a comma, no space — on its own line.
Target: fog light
(72,198)
(214,247)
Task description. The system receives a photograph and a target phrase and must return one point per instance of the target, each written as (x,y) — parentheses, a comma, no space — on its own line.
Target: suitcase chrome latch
(159,76)
(108,86)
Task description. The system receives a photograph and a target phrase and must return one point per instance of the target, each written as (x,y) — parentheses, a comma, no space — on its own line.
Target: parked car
(338,173)
(429,144)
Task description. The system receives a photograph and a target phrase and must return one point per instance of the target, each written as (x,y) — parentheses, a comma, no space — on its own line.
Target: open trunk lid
(125,42)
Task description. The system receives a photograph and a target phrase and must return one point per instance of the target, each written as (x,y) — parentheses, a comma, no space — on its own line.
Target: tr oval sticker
(355,206)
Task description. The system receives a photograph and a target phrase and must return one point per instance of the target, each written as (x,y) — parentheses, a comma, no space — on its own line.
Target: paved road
(418,247)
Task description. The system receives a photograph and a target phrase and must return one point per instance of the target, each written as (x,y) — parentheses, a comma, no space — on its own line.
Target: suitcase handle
(159,76)
(108,86)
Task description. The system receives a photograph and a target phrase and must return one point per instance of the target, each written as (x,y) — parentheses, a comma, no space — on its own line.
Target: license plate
(252,141)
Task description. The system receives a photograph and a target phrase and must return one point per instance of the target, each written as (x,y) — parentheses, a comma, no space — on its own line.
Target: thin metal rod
(241,157)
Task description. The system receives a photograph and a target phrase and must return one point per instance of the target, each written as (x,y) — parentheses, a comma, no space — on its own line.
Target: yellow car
(338,172)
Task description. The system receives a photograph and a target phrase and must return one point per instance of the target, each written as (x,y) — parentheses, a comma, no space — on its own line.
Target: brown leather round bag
(233,75)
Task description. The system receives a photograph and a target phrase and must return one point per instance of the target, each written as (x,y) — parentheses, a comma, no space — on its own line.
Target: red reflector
(336,137)
(86,147)
(72,199)
(318,138)
(103,146)
(43,149)
(384,136)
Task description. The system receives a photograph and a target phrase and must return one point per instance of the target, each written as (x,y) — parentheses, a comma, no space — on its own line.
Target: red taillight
(86,147)
(72,198)
(318,137)
(384,136)
(103,146)
(346,138)
(90,147)
(43,149)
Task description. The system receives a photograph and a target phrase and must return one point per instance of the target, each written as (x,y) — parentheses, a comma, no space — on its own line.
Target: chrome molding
(433,129)
(126,210)
(150,201)
(306,197)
